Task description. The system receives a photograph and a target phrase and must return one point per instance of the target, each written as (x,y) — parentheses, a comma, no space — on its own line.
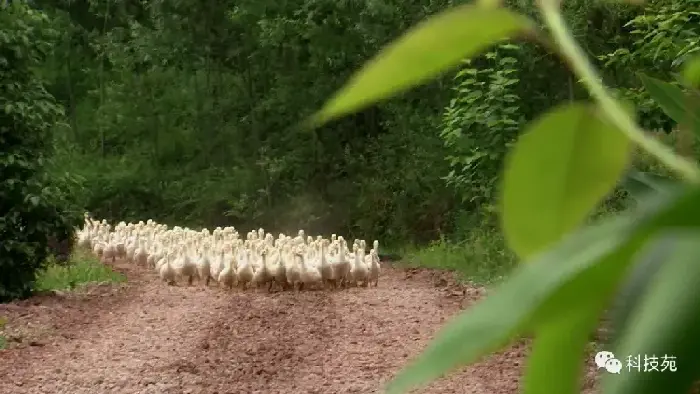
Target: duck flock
(222,257)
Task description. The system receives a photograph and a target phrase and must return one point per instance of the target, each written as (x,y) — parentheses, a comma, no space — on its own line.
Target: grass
(81,269)
(482,256)
(3,340)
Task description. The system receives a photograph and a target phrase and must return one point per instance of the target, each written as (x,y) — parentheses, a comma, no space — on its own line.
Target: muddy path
(146,337)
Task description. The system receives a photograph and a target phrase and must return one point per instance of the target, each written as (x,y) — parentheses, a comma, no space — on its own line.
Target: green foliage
(570,275)
(186,115)
(691,72)
(81,269)
(657,40)
(429,49)
(485,100)
(31,203)
(481,256)
(674,102)
(195,126)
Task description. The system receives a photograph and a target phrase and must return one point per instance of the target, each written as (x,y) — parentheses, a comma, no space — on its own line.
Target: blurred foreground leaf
(430,48)
(666,323)
(576,275)
(559,170)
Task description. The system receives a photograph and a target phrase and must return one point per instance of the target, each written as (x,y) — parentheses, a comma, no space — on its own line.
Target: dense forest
(188,113)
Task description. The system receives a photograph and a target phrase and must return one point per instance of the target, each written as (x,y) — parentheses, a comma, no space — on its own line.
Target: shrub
(30,206)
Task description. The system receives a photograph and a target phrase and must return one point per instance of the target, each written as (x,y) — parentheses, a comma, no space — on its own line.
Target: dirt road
(147,337)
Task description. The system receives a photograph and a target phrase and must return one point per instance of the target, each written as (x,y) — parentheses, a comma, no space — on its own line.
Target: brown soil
(146,337)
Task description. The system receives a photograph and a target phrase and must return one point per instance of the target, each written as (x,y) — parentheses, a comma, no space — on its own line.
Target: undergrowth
(480,257)
(81,269)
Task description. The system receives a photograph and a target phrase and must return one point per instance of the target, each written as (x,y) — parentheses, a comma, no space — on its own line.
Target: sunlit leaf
(425,51)
(666,323)
(691,71)
(582,270)
(561,167)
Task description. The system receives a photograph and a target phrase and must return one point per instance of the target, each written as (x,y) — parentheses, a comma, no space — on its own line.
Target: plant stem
(581,66)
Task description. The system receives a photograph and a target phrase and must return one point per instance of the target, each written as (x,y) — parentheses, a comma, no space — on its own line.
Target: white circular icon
(613,365)
(602,357)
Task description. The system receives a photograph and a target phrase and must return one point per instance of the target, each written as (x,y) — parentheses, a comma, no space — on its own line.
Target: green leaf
(666,323)
(430,48)
(640,184)
(561,167)
(635,286)
(670,97)
(493,322)
(546,290)
(547,354)
(673,101)
(568,317)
